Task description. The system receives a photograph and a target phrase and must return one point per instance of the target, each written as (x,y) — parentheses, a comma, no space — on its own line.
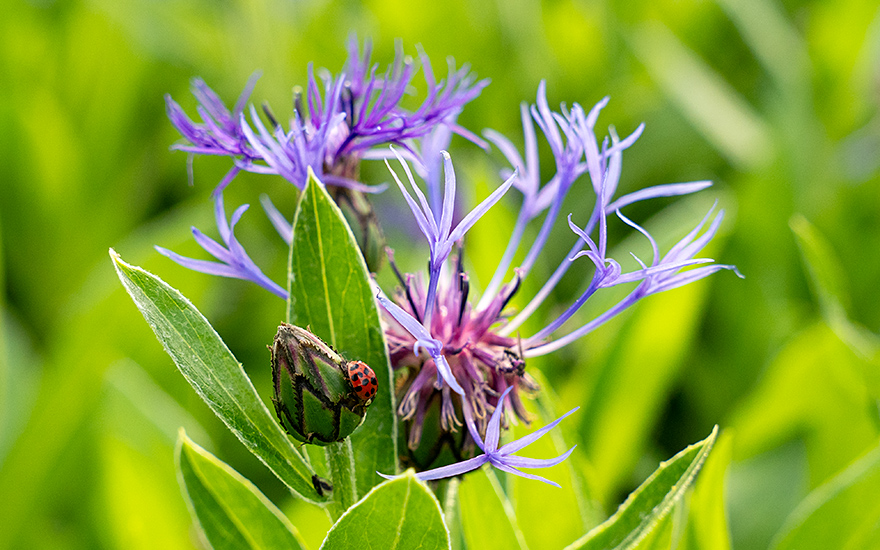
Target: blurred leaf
(634,382)
(230,510)
(712,105)
(645,509)
(398,514)
(213,372)
(574,511)
(843,513)
(773,39)
(143,506)
(452,512)
(330,293)
(312,522)
(763,491)
(140,422)
(829,285)
(707,520)
(813,389)
(487,515)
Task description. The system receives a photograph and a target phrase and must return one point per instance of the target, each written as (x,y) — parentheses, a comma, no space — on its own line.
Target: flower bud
(315,399)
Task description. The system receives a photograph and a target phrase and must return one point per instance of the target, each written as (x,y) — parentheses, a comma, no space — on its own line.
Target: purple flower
(478,346)
(340,121)
(219,132)
(501,458)
(440,233)
(234,261)
(469,359)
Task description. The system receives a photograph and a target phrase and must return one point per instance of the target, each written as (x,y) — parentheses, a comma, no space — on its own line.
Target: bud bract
(314,396)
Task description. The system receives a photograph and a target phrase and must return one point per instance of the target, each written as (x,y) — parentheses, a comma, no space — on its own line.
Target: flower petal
(493,430)
(514,446)
(511,470)
(524,462)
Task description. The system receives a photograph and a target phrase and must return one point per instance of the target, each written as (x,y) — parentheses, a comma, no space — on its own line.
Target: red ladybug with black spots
(362,379)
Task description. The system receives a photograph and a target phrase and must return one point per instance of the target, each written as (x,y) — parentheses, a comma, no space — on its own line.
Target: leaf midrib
(323,264)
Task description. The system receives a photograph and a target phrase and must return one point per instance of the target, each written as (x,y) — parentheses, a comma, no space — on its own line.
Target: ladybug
(362,379)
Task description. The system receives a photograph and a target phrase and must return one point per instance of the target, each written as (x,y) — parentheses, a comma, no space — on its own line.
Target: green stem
(340,459)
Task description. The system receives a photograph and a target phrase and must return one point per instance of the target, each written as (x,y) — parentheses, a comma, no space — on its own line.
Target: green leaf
(829,285)
(815,388)
(574,511)
(645,509)
(487,516)
(139,426)
(707,520)
(627,398)
(711,104)
(843,513)
(330,293)
(397,514)
(208,365)
(230,510)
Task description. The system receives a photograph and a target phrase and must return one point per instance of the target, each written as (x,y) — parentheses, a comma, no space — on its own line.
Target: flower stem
(340,460)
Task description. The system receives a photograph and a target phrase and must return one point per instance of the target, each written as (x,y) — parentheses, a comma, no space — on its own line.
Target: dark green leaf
(646,508)
(208,365)
(829,286)
(330,293)
(397,514)
(230,510)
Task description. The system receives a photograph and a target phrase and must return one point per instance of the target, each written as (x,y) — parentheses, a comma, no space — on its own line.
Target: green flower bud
(320,397)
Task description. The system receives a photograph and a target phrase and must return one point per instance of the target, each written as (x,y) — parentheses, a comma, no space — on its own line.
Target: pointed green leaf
(707,520)
(209,366)
(646,508)
(398,514)
(230,510)
(330,293)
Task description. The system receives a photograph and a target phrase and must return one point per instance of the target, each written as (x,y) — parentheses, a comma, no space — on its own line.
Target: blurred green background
(777,102)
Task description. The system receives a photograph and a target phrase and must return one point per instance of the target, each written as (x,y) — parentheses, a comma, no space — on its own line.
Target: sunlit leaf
(487,515)
(139,428)
(707,520)
(232,513)
(208,365)
(397,514)
(814,388)
(843,513)
(645,509)
(633,384)
(330,294)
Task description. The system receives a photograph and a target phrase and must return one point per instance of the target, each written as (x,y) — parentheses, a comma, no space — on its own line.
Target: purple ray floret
(218,133)
(233,260)
(501,458)
(423,340)
(440,233)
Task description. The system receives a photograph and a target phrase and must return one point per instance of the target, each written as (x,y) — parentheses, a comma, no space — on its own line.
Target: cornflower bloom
(336,123)
(464,357)
(469,349)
